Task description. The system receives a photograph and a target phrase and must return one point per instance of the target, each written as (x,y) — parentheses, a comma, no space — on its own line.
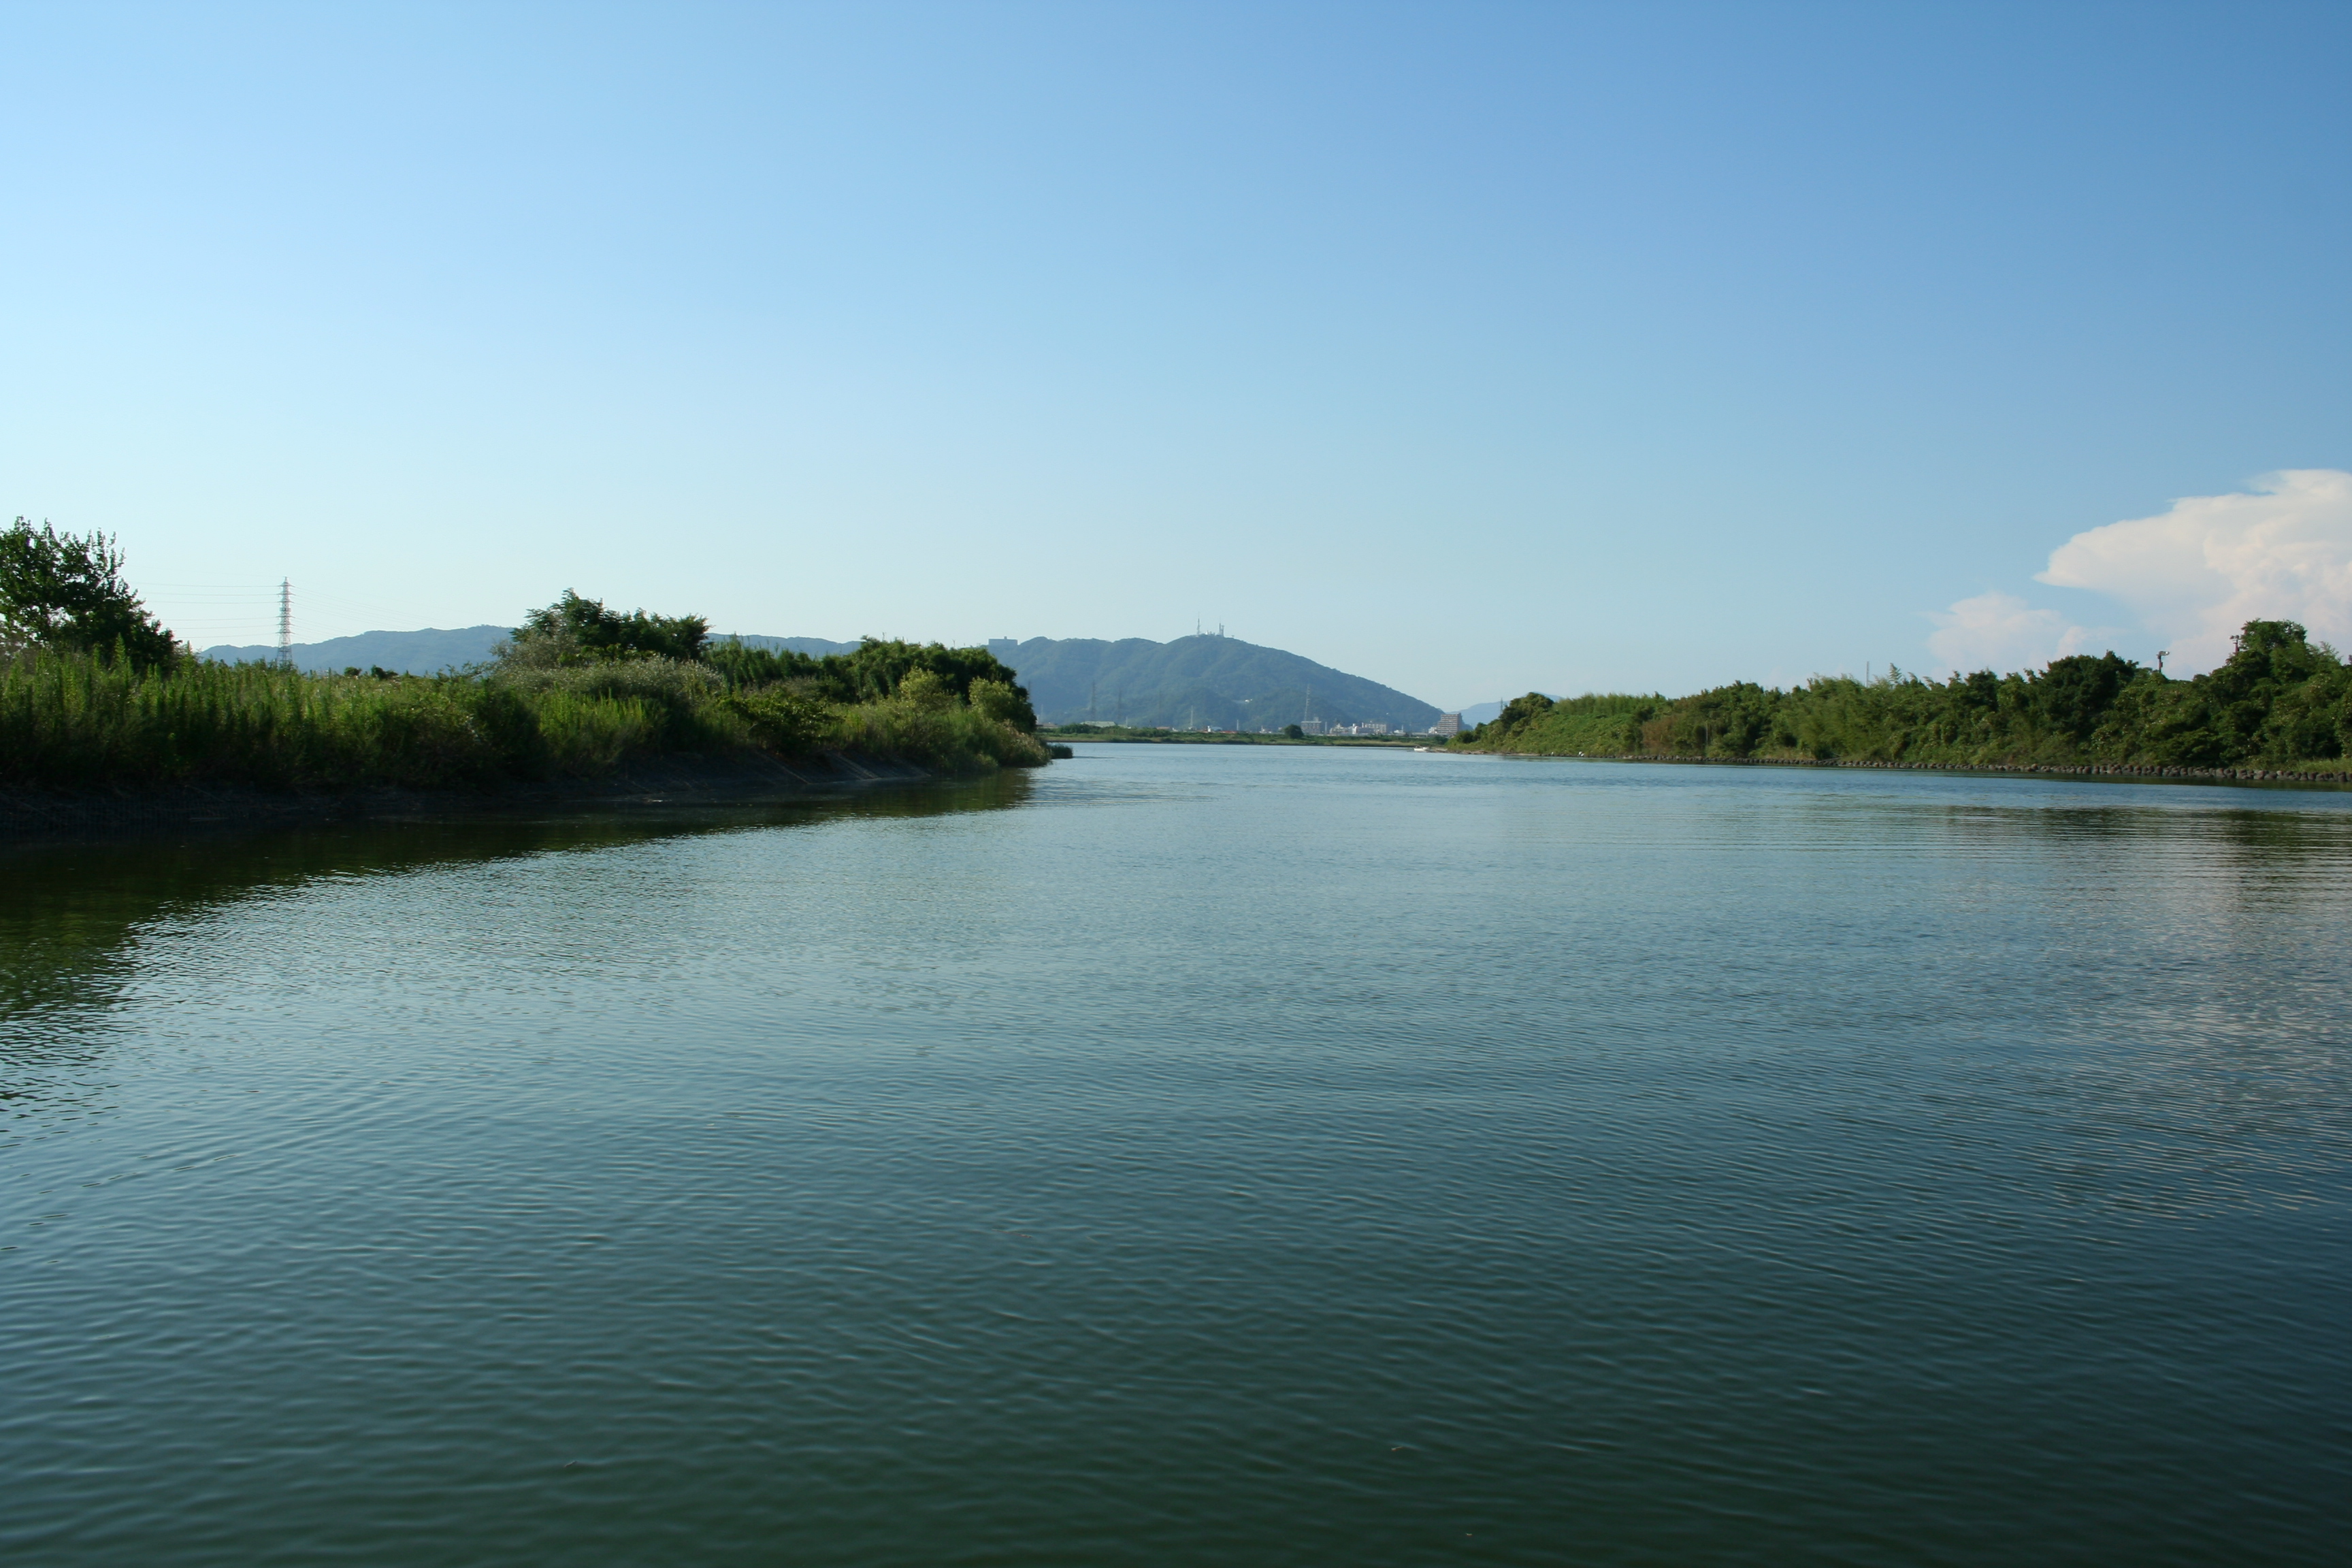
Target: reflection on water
(72,906)
(1270,1156)
(71,924)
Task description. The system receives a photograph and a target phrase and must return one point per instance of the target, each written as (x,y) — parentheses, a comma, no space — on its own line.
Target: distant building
(1311,726)
(1448,724)
(1372,727)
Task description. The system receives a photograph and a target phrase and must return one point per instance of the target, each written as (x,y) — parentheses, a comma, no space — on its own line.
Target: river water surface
(1195,1154)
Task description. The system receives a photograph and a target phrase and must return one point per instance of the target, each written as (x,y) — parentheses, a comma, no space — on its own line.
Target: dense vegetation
(2280,701)
(93,692)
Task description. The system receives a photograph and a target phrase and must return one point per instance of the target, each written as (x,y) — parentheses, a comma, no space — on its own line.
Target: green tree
(1000,700)
(66,590)
(926,688)
(574,630)
(2073,694)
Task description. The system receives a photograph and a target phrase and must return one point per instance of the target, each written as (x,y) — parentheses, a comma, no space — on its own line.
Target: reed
(76,720)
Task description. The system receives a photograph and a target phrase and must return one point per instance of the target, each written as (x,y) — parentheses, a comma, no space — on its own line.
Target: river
(1195,1154)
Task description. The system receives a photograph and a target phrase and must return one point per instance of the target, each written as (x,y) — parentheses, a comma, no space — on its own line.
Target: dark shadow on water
(70,913)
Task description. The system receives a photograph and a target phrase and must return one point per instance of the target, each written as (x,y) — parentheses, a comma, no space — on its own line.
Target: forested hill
(1214,681)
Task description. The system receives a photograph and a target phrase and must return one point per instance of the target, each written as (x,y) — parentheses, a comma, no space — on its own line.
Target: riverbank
(29,814)
(2280,705)
(78,724)
(2118,771)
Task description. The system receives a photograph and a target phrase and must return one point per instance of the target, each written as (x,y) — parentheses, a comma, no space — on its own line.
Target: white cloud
(2002,631)
(2197,573)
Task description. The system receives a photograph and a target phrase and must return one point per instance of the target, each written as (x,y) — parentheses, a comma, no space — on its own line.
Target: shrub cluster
(94,693)
(2279,701)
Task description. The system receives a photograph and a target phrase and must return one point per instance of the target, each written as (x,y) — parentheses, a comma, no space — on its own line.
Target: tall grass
(72,720)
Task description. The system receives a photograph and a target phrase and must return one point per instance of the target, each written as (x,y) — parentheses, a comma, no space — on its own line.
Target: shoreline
(2103,771)
(1228,738)
(29,814)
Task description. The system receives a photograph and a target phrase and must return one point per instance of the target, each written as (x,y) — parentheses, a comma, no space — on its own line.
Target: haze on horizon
(1471,351)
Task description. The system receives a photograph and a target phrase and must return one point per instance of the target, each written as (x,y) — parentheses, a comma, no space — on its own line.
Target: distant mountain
(1479,712)
(1219,682)
(430,651)
(1192,681)
(817,647)
(411,653)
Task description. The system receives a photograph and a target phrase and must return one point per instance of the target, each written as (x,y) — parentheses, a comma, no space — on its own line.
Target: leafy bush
(954,736)
(878,671)
(2279,701)
(783,721)
(926,688)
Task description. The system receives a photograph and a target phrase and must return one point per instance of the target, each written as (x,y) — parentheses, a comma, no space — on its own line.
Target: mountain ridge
(434,650)
(425,652)
(1206,679)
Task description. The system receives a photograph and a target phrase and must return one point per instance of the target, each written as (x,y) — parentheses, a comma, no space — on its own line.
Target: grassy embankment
(2281,703)
(70,720)
(579,692)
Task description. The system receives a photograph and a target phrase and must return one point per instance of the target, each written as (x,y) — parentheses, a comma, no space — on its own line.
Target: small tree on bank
(67,591)
(574,630)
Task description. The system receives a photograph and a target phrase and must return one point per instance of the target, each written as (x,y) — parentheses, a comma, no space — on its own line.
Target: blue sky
(1474,349)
